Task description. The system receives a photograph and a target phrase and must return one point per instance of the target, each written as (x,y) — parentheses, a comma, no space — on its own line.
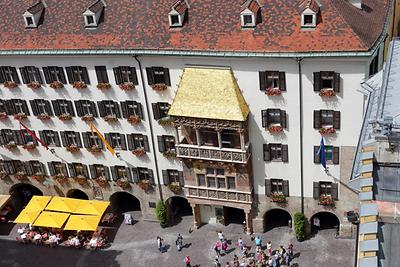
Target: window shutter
(146,143)
(264,118)
(86,141)
(113,173)
(101,73)
(107,172)
(316,156)
(336,82)
(2,78)
(161,146)
(317,119)
(267,187)
(51,168)
(102,110)
(140,111)
(117,110)
(165,177)
(47,108)
(285,154)
(283,119)
(61,74)
(24,75)
(57,139)
(263,80)
(56,107)
(38,76)
(93,109)
(92,171)
(336,120)
(70,107)
(9,106)
(78,107)
(316,190)
(151,176)
(335,156)
(19,137)
(128,171)
(135,175)
(85,75)
(133,77)
(123,142)
(43,137)
(124,108)
(108,139)
(286,188)
(71,170)
(28,167)
(25,107)
(150,77)
(70,75)
(335,191)
(47,75)
(282,81)
(181,178)
(156,112)
(317,81)
(78,139)
(64,139)
(167,79)
(34,107)
(131,145)
(117,75)
(14,75)
(267,154)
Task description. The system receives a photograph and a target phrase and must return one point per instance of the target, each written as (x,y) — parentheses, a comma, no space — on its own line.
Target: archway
(233,215)
(78,194)
(177,208)
(325,220)
(276,218)
(22,193)
(124,202)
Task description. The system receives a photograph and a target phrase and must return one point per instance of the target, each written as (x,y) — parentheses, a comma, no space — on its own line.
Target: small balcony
(219,194)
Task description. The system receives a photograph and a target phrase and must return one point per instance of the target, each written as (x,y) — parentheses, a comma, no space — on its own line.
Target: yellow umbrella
(38,203)
(51,219)
(92,207)
(63,204)
(27,216)
(82,222)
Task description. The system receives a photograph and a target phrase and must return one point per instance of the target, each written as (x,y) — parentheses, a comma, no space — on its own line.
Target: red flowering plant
(20,116)
(10,84)
(327,92)
(34,85)
(60,178)
(3,115)
(29,146)
(87,117)
(73,148)
(103,86)
(145,185)
(159,87)
(3,174)
(326,200)
(10,145)
(123,183)
(94,149)
(43,116)
(275,128)
(20,175)
(111,118)
(81,179)
(79,85)
(102,181)
(56,85)
(278,197)
(127,86)
(273,91)
(65,117)
(38,177)
(139,152)
(134,119)
(327,130)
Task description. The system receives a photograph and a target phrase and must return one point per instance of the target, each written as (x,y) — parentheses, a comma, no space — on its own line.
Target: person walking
(217,262)
(179,242)
(258,242)
(220,236)
(269,248)
(159,243)
(217,248)
(235,261)
(224,246)
(240,244)
(187,261)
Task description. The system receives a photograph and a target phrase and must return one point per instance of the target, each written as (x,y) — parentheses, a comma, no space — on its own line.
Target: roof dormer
(93,14)
(250,14)
(309,10)
(33,15)
(177,14)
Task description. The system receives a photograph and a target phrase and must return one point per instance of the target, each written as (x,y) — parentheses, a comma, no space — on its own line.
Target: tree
(161,213)
(299,225)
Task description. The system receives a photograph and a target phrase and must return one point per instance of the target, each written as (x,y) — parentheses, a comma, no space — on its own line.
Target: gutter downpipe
(299,59)
(151,127)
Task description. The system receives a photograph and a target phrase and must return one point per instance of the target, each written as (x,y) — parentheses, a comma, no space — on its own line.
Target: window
(41,107)
(327,80)
(221,183)
(71,138)
(116,140)
(57,168)
(201,180)
(31,74)
(276,152)
(63,107)
(16,106)
(36,168)
(138,141)
(273,117)
(108,108)
(175,20)
(54,74)
(3,108)
(125,74)
(98,170)
(157,75)
(7,166)
(276,186)
(211,181)
(91,139)
(85,108)
(166,143)
(140,174)
(248,20)
(308,20)
(326,118)
(101,73)
(24,137)
(231,182)
(331,154)
(131,108)
(76,169)
(90,20)
(19,166)
(8,136)
(120,172)
(325,189)
(29,21)
(272,80)
(172,176)
(160,110)
(216,178)
(9,74)
(374,65)
(50,138)
(77,74)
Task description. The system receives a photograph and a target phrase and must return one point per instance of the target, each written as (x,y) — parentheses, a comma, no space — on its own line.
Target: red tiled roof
(96,6)
(180,6)
(211,27)
(252,5)
(36,8)
(311,4)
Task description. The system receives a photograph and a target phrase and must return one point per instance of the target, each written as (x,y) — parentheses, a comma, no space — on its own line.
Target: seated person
(37,238)
(93,242)
(21,230)
(75,241)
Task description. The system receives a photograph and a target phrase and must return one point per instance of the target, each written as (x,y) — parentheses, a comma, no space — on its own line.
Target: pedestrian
(240,244)
(258,242)
(316,224)
(245,252)
(224,246)
(220,236)
(217,262)
(235,261)
(217,248)
(228,264)
(187,261)
(159,243)
(269,248)
(179,242)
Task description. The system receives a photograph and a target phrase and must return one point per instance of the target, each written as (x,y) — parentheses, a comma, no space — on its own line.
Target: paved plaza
(136,246)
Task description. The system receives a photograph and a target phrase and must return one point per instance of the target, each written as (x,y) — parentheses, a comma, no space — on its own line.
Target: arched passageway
(276,218)
(22,193)
(123,202)
(233,215)
(78,194)
(178,207)
(324,220)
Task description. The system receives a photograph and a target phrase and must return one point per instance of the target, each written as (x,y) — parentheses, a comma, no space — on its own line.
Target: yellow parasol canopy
(51,219)
(92,207)
(3,200)
(38,203)
(63,204)
(27,216)
(82,222)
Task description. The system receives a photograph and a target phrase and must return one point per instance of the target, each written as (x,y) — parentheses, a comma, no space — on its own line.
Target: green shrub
(299,225)
(161,213)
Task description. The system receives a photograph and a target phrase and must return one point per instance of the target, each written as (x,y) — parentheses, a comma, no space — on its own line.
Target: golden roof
(209,93)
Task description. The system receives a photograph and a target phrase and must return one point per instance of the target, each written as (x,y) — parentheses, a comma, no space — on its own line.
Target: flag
(21,125)
(94,130)
(321,153)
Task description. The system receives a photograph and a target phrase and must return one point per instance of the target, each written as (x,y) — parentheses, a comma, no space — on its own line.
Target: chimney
(356,3)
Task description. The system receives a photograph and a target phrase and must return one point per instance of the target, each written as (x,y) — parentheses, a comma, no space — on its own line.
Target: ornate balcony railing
(213,153)
(219,194)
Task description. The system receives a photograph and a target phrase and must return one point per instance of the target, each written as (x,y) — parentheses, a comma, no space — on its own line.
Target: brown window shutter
(316,190)
(335,157)
(146,143)
(131,143)
(282,81)
(317,81)
(133,77)
(267,153)
(167,79)
(181,178)
(286,188)
(24,75)
(156,111)
(267,187)
(34,107)
(263,80)
(70,75)
(336,82)
(316,156)
(102,110)
(161,146)
(38,76)
(165,177)
(285,153)
(47,75)
(123,142)
(264,118)
(151,176)
(317,119)
(283,119)
(85,75)
(150,77)
(335,191)
(78,107)
(117,75)
(124,108)
(336,120)
(64,140)
(85,137)
(101,73)
(51,168)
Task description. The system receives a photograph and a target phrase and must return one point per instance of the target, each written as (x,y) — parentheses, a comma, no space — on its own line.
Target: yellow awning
(38,203)
(51,219)
(82,222)
(92,207)
(63,204)
(209,93)
(27,216)
(3,200)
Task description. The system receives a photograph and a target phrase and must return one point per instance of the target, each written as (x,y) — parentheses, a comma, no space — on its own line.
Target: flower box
(159,87)
(3,115)
(65,117)
(273,92)
(43,116)
(134,119)
(327,92)
(79,85)
(72,148)
(20,116)
(11,145)
(275,129)
(102,181)
(38,177)
(34,85)
(21,176)
(110,118)
(57,85)
(29,146)
(145,185)
(94,149)
(166,121)
(10,84)
(123,183)
(127,86)
(326,131)
(60,178)
(103,86)
(139,152)
(278,198)
(175,188)
(326,200)
(81,179)
(3,175)
(87,117)
(169,154)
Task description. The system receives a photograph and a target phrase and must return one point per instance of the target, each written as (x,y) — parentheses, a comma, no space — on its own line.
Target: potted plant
(273,92)
(327,92)
(38,177)
(327,130)
(175,187)
(165,121)
(123,183)
(3,115)
(139,152)
(127,86)
(34,85)
(299,226)
(145,185)
(102,181)
(10,84)
(169,154)
(20,175)
(278,197)
(103,86)
(20,116)
(81,179)
(111,118)
(87,117)
(56,85)
(11,145)
(275,129)
(43,116)
(73,148)
(94,149)
(60,178)
(134,119)
(326,200)
(29,146)
(161,214)
(159,87)
(79,85)
(65,117)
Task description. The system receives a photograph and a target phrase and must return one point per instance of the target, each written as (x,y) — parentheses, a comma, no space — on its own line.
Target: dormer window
(33,15)
(175,20)
(309,10)
(177,14)
(29,21)
(93,14)
(308,20)
(90,21)
(248,20)
(250,14)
